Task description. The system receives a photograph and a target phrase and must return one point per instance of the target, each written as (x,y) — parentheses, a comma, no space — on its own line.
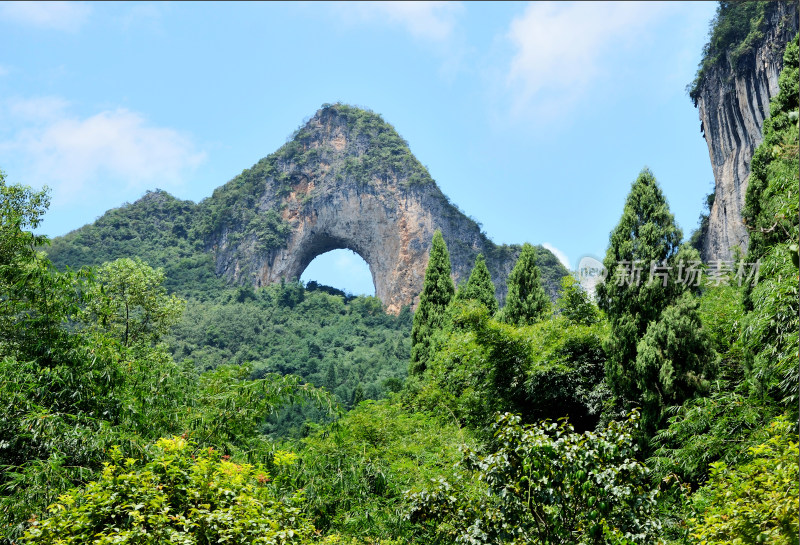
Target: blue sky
(534,118)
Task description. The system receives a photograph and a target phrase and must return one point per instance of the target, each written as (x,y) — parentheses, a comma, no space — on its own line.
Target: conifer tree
(646,234)
(574,303)
(479,287)
(526,302)
(358,396)
(437,292)
(673,360)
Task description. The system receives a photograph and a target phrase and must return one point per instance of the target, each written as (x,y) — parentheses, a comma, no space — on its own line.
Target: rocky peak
(732,96)
(346,179)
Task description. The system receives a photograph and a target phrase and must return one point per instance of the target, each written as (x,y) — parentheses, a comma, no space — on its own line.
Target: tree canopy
(437,292)
(526,302)
(479,287)
(646,236)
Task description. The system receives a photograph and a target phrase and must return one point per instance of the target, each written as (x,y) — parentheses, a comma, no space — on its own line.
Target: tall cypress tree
(437,292)
(526,302)
(574,303)
(646,233)
(479,287)
(673,360)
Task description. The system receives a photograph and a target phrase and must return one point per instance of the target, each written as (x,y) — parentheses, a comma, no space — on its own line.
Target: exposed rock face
(347,180)
(732,107)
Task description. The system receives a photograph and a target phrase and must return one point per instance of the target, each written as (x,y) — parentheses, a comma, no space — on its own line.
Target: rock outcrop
(733,104)
(347,180)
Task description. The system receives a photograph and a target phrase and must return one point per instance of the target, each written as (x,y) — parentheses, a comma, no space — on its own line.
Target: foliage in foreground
(754,502)
(356,471)
(544,483)
(178,493)
(74,381)
(82,369)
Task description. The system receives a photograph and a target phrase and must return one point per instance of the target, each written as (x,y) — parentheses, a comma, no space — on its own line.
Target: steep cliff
(346,179)
(735,83)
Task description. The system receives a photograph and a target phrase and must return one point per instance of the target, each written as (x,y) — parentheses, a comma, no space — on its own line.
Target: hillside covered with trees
(145,400)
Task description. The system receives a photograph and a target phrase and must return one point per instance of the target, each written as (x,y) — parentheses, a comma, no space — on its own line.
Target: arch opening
(342,269)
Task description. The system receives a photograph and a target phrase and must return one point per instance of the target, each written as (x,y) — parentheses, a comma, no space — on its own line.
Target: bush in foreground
(179,494)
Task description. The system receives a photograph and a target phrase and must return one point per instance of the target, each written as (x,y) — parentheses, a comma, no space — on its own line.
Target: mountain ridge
(345,179)
(732,94)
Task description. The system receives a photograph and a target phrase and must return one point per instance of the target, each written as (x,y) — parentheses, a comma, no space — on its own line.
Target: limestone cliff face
(347,180)
(733,105)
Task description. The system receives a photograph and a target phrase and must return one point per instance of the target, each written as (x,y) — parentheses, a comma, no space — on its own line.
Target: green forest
(147,401)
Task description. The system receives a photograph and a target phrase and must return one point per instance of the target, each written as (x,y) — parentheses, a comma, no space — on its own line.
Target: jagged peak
(348,129)
(154,195)
(354,138)
(341,113)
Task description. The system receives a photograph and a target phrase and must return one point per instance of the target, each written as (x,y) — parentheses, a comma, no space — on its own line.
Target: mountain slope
(345,180)
(738,77)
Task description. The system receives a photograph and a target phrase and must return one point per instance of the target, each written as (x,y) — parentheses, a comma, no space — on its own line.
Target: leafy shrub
(546,484)
(754,502)
(703,430)
(548,370)
(177,494)
(355,472)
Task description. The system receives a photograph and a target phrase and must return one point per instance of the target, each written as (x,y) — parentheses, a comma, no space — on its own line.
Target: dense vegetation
(83,369)
(736,30)
(753,327)
(346,344)
(130,415)
(387,156)
(176,494)
(159,229)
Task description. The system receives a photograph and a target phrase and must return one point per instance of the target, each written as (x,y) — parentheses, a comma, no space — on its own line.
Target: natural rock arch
(321,248)
(393,239)
(347,180)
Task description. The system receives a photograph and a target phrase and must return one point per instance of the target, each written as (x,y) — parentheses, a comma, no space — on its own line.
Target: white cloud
(68,16)
(434,21)
(560,48)
(80,156)
(349,264)
(147,15)
(346,261)
(562,257)
(38,109)
(4,71)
